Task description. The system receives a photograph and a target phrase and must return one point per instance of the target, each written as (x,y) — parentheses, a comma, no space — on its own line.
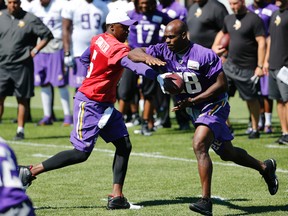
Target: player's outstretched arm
(139,55)
(139,68)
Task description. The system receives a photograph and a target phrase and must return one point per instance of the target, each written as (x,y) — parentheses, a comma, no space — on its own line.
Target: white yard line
(147,155)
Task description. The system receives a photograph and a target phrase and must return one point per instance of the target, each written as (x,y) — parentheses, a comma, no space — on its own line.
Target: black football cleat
(25,176)
(19,136)
(269,174)
(119,202)
(202,206)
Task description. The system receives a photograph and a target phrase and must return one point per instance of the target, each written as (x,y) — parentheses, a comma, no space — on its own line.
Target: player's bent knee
(80,156)
(123,145)
(225,157)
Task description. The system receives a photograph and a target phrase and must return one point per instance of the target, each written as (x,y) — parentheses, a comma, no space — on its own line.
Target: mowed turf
(162,174)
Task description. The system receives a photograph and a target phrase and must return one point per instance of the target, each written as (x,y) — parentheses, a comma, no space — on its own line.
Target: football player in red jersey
(94,112)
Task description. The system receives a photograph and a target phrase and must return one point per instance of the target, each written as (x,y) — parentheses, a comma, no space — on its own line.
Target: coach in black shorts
(277,57)
(19,32)
(246,57)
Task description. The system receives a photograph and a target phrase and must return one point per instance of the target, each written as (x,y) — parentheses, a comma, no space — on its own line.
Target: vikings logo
(277,20)
(237,25)
(198,12)
(21,23)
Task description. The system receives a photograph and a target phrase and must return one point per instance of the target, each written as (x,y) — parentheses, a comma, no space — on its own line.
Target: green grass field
(162,174)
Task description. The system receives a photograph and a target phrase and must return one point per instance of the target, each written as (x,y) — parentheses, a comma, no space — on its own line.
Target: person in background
(146,32)
(246,57)
(2,5)
(264,10)
(205,19)
(174,10)
(80,17)
(94,112)
(48,64)
(126,5)
(205,100)
(14,200)
(26,4)
(131,87)
(19,32)
(276,63)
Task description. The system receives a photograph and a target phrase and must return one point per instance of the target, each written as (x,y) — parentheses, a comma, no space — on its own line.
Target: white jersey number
(150,31)
(8,165)
(86,22)
(91,64)
(192,83)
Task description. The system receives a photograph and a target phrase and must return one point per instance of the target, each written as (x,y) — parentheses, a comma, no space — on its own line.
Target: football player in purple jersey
(143,34)
(14,200)
(205,100)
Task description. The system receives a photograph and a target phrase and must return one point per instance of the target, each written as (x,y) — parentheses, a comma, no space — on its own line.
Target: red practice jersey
(105,68)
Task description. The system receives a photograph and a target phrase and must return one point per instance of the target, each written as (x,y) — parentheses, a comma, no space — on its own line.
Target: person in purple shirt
(145,33)
(205,100)
(14,200)
(174,10)
(264,10)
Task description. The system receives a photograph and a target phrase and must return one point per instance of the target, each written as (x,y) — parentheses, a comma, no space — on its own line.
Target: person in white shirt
(48,64)
(82,19)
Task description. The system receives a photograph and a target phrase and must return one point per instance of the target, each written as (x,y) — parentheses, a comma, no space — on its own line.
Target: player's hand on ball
(173,83)
(160,79)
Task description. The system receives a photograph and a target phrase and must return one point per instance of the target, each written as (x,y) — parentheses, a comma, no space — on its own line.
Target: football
(173,83)
(224,42)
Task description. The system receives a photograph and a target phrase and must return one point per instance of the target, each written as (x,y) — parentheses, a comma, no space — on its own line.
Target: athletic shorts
(92,119)
(17,80)
(127,88)
(25,208)
(77,73)
(277,89)
(48,69)
(241,79)
(214,116)
(149,88)
(264,85)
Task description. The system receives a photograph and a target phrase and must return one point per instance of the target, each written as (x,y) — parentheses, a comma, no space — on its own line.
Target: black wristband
(261,67)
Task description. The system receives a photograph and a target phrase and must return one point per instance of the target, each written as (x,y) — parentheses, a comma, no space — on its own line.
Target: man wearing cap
(94,112)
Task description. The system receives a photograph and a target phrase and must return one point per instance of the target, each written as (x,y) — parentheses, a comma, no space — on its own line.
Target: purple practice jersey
(264,13)
(199,68)
(146,32)
(11,189)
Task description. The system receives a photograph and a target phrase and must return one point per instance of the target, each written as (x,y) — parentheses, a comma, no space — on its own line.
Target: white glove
(68,61)
(160,79)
